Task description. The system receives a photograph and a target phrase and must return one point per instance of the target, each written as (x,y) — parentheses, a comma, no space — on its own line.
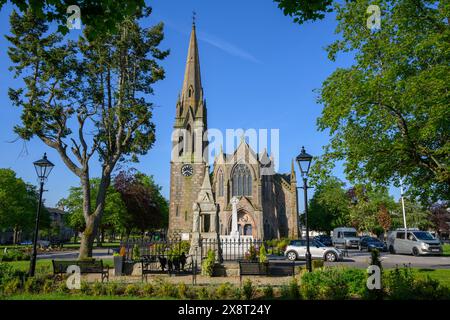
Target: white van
(345,238)
(417,242)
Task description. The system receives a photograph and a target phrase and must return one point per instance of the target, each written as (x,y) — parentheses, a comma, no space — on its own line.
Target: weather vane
(193,17)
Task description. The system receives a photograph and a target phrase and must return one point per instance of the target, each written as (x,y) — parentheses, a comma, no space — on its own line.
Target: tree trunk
(87,238)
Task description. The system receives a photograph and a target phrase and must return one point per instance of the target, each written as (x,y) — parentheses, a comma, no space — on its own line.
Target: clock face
(187,170)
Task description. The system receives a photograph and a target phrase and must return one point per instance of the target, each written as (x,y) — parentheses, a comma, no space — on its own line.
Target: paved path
(102,253)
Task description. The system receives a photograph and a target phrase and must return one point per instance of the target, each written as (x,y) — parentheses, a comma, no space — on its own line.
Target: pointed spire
(293,175)
(206,181)
(192,85)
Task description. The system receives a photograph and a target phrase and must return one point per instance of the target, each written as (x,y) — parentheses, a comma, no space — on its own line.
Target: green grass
(115,244)
(446,248)
(45,265)
(442,275)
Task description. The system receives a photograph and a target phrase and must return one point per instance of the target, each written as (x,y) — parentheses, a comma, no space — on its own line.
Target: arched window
(220,184)
(242,181)
(180,146)
(187,139)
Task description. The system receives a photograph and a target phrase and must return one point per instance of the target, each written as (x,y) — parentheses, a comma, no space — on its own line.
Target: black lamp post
(43,168)
(304,162)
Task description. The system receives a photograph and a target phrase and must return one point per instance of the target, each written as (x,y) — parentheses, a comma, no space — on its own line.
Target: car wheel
(391,250)
(330,256)
(415,251)
(292,256)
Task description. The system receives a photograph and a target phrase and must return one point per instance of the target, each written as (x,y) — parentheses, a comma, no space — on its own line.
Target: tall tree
(146,207)
(440,218)
(99,16)
(111,219)
(329,206)
(88,97)
(388,114)
(305,10)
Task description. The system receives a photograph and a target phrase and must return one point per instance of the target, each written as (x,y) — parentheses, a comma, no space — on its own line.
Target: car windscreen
(422,235)
(349,234)
(373,240)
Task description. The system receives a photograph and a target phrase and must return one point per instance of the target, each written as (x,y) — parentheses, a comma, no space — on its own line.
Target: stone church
(200,197)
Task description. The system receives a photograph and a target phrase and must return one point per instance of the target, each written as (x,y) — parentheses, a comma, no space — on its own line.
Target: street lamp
(43,168)
(304,162)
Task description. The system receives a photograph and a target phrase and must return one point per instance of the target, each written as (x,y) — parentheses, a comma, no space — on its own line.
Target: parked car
(345,237)
(326,240)
(297,250)
(370,243)
(417,242)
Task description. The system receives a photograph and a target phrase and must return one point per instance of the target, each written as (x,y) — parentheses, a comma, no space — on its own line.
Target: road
(357,259)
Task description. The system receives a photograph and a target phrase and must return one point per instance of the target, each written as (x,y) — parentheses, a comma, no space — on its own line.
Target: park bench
(86,267)
(249,268)
(154,264)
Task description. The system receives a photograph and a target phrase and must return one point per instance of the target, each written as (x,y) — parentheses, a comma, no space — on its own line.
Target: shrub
(136,253)
(224,291)
(148,289)
(32,285)
(14,255)
(12,286)
(114,289)
(325,283)
(400,284)
(132,290)
(182,291)
(251,255)
(167,289)
(375,258)
(268,292)
(248,289)
(356,281)
(208,263)
(48,286)
(98,289)
(263,254)
(237,293)
(85,288)
(203,293)
(294,290)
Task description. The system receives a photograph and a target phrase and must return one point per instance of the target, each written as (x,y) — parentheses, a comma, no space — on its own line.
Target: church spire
(192,84)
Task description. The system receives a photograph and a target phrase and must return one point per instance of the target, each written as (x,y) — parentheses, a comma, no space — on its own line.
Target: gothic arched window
(242,181)
(220,184)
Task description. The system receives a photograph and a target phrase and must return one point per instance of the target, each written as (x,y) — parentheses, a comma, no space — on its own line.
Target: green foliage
(263,254)
(305,10)
(375,258)
(14,255)
(388,113)
(316,264)
(326,283)
(268,292)
(131,290)
(18,204)
(248,290)
(99,17)
(252,254)
(224,291)
(136,253)
(208,263)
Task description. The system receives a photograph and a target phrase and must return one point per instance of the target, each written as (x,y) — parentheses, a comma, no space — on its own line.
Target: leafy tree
(384,218)
(417,216)
(440,218)
(146,208)
(86,99)
(305,10)
(388,114)
(111,219)
(366,201)
(18,205)
(329,206)
(99,16)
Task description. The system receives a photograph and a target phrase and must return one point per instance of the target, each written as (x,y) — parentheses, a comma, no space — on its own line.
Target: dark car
(326,240)
(370,243)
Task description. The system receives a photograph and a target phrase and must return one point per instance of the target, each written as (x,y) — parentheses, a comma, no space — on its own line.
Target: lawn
(446,248)
(45,265)
(443,275)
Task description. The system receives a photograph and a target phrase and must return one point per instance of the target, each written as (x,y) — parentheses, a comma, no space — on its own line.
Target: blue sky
(259,70)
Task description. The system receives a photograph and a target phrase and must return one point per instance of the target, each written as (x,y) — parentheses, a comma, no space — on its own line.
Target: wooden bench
(86,267)
(249,268)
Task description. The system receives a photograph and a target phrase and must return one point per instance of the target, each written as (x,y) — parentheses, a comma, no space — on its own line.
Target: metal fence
(230,249)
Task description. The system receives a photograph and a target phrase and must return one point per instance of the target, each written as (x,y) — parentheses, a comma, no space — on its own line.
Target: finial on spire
(194,14)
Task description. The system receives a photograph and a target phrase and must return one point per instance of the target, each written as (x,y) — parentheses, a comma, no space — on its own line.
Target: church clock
(187,170)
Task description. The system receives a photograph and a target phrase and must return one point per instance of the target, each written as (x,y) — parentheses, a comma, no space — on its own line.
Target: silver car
(297,250)
(416,242)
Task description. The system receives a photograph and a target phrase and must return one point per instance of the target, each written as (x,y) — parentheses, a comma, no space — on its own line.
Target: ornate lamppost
(304,162)
(43,168)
